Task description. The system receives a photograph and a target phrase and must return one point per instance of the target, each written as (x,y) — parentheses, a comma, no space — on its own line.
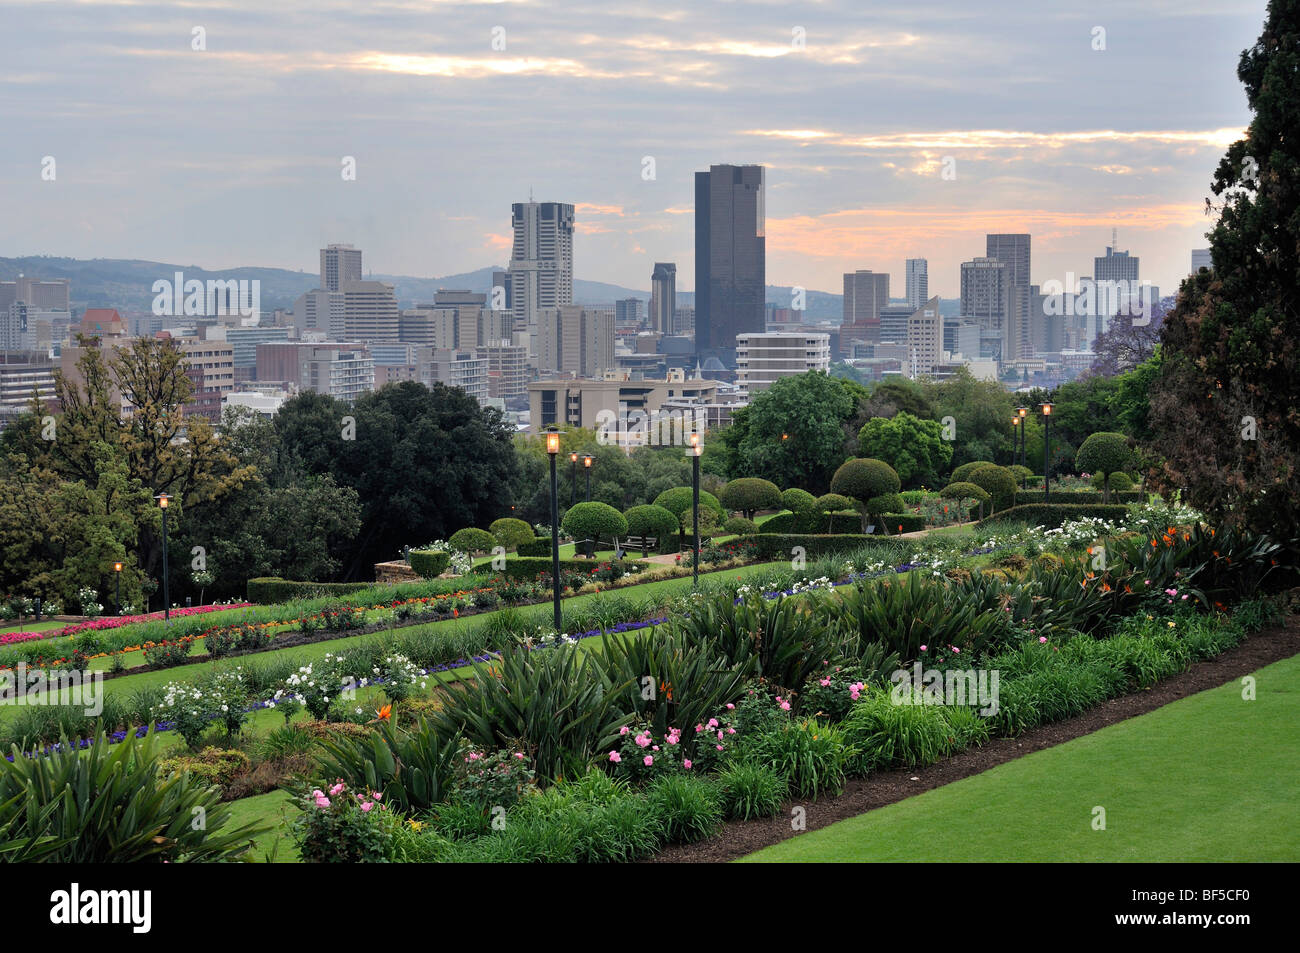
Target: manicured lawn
(30,626)
(272,810)
(1206,778)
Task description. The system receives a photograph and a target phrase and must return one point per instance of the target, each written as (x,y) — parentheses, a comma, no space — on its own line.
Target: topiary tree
(878,506)
(740,526)
(998,483)
(1119,481)
(863,479)
(963,491)
(1104,453)
(962,473)
(678,501)
(471,540)
(1021,474)
(798,501)
(749,494)
(592,521)
(650,520)
(511,532)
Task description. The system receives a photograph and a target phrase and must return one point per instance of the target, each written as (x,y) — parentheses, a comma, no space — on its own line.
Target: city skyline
(1027,116)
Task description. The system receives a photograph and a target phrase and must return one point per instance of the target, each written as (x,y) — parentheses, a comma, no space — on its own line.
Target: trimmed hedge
(529,567)
(539,546)
(266,590)
(909,523)
(430,563)
(1053,515)
(778,545)
(1079,496)
(849,524)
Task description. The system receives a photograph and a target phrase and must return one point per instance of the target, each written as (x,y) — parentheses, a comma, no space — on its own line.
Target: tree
(593,521)
(791,433)
(678,501)
(962,491)
(511,533)
(650,522)
(1104,453)
(864,480)
(1126,343)
(915,448)
(749,494)
(981,417)
(998,483)
(472,540)
(961,473)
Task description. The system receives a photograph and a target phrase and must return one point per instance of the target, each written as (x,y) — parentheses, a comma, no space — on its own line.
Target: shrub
(889,735)
(472,541)
(214,765)
(651,521)
(511,532)
(267,590)
(998,483)
(1104,453)
(594,521)
(834,503)
(167,654)
(740,526)
(1080,496)
(110,803)
(811,755)
(864,479)
(537,546)
(430,563)
(687,807)
(799,502)
(1021,474)
(963,491)
(749,494)
(1052,515)
(413,770)
(962,473)
(1120,482)
(343,826)
(752,790)
(781,545)
(678,501)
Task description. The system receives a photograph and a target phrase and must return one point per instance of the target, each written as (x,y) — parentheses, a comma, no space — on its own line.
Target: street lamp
(1024,436)
(696,450)
(573,481)
(163,500)
(117,577)
(587,461)
(552,451)
(1047,449)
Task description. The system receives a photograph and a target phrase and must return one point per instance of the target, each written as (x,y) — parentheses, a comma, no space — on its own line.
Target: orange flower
(385,713)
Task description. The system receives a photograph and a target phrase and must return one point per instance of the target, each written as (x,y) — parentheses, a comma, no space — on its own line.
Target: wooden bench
(644,543)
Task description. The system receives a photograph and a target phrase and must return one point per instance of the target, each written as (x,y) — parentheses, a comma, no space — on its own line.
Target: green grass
(1207,778)
(272,810)
(30,627)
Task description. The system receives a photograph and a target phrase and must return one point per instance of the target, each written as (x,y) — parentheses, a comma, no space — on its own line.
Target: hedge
(839,523)
(1053,515)
(1079,496)
(530,566)
(909,523)
(779,545)
(538,546)
(266,590)
(430,563)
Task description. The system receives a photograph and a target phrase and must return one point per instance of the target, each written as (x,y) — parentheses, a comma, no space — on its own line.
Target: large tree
(913,447)
(1225,409)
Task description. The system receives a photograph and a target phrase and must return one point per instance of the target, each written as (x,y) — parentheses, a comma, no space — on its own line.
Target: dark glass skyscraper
(730,258)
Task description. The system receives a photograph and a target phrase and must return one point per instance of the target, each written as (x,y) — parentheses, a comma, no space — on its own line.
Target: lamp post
(587,461)
(1015,438)
(1047,450)
(696,450)
(163,500)
(1024,435)
(117,579)
(573,481)
(552,451)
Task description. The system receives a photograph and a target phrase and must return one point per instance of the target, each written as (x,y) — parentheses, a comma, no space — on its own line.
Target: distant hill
(127,284)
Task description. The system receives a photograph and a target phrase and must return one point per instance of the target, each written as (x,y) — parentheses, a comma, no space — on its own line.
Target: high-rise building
(1014,251)
(918,282)
(866,294)
(465,368)
(663,297)
(435,327)
(986,295)
(893,325)
(629,312)
(507,371)
(924,338)
(319,310)
(575,340)
(39,294)
(540,274)
(762,359)
(1201,259)
(1115,265)
(370,312)
(730,258)
(338,264)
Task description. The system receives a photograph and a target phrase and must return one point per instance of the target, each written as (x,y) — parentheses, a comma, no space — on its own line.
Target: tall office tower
(866,294)
(1116,265)
(369,312)
(924,339)
(39,294)
(540,273)
(628,312)
(893,325)
(435,327)
(730,258)
(319,310)
(663,297)
(918,282)
(1014,251)
(339,263)
(986,300)
(1201,259)
(575,340)
(763,359)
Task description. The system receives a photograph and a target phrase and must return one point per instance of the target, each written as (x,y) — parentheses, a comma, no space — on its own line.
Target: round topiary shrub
(1119,481)
(678,501)
(1105,453)
(511,532)
(878,506)
(749,494)
(651,521)
(430,563)
(963,472)
(798,501)
(740,526)
(1020,473)
(863,479)
(471,540)
(966,491)
(834,503)
(593,521)
(998,483)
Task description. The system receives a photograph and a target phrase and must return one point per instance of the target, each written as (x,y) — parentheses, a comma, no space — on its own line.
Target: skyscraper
(730,258)
(1115,265)
(541,259)
(987,300)
(918,282)
(663,297)
(866,294)
(339,263)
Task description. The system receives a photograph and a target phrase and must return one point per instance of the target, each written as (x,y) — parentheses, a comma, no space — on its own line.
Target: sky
(889,130)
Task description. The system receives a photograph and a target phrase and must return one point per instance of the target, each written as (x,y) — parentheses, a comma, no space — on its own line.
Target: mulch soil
(739,838)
